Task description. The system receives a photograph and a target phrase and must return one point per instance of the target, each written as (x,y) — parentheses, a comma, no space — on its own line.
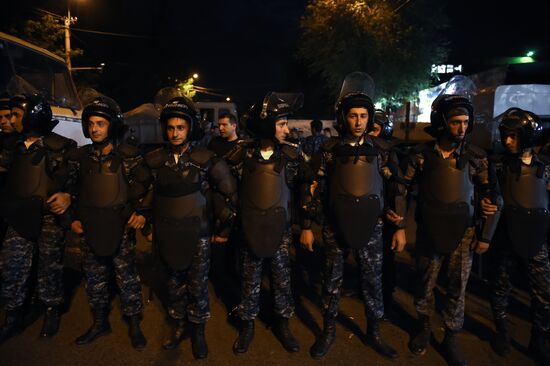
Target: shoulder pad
(476,151)
(128,151)
(290,151)
(56,142)
(238,152)
(417,149)
(201,155)
(382,144)
(77,153)
(156,158)
(329,144)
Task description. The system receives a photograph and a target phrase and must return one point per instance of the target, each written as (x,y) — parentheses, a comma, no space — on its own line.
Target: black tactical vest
(356,191)
(525,209)
(446,200)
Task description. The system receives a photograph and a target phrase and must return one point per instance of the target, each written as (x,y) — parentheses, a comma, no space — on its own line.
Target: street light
(195,76)
(530,54)
(228,99)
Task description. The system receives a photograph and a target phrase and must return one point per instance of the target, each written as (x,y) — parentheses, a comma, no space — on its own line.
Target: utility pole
(68,20)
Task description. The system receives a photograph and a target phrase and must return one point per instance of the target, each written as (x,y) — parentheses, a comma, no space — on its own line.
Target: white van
(26,68)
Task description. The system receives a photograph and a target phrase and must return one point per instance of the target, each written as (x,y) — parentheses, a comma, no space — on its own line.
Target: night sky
(243,48)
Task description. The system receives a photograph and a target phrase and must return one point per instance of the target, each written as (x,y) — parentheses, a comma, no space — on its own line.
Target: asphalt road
(28,348)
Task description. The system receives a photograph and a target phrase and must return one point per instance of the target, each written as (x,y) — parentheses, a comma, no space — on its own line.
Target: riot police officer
(350,171)
(270,169)
(108,181)
(32,201)
(523,178)
(447,170)
(185,176)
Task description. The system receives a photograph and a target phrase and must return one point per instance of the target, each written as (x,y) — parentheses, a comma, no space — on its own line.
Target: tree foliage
(46,32)
(395,41)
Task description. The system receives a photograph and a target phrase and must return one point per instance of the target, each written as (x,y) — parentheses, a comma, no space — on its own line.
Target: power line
(112,34)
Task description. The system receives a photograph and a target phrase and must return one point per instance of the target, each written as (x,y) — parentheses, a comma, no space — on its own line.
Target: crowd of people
(189,198)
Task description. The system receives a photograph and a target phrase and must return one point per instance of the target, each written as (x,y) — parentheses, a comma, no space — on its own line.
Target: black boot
(246,334)
(176,336)
(51,322)
(134,332)
(282,332)
(198,342)
(419,344)
(375,340)
(12,325)
(322,345)
(454,355)
(537,347)
(99,327)
(501,339)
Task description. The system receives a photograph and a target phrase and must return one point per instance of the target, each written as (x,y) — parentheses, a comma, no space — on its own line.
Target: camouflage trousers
(369,259)
(251,271)
(188,289)
(428,265)
(97,272)
(16,261)
(538,275)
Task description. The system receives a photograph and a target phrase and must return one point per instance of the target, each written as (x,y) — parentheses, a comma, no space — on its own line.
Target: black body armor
(265,200)
(103,203)
(525,209)
(446,200)
(356,192)
(179,208)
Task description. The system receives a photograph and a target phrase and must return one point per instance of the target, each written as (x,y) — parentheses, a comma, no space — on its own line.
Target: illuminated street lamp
(195,76)
(530,54)
(228,99)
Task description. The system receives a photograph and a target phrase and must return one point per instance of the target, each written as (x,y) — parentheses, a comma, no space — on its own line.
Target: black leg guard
(537,347)
(374,339)
(134,332)
(12,325)
(452,352)
(100,327)
(198,342)
(282,332)
(322,345)
(51,322)
(246,335)
(419,344)
(176,336)
(501,339)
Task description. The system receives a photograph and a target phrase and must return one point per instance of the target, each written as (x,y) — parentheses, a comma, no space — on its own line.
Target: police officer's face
(98,128)
(5,124)
(458,126)
(177,130)
(376,129)
(16,118)
(511,143)
(281,129)
(357,119)
(227,129)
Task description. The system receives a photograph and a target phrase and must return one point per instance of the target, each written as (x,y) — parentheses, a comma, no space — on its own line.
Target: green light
(530,53)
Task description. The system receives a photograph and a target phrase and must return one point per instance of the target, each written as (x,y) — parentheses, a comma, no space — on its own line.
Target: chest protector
(265,199)
(102,203)
(178,215)
(27,188)
(525,210)
(356,191)
(446,200)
